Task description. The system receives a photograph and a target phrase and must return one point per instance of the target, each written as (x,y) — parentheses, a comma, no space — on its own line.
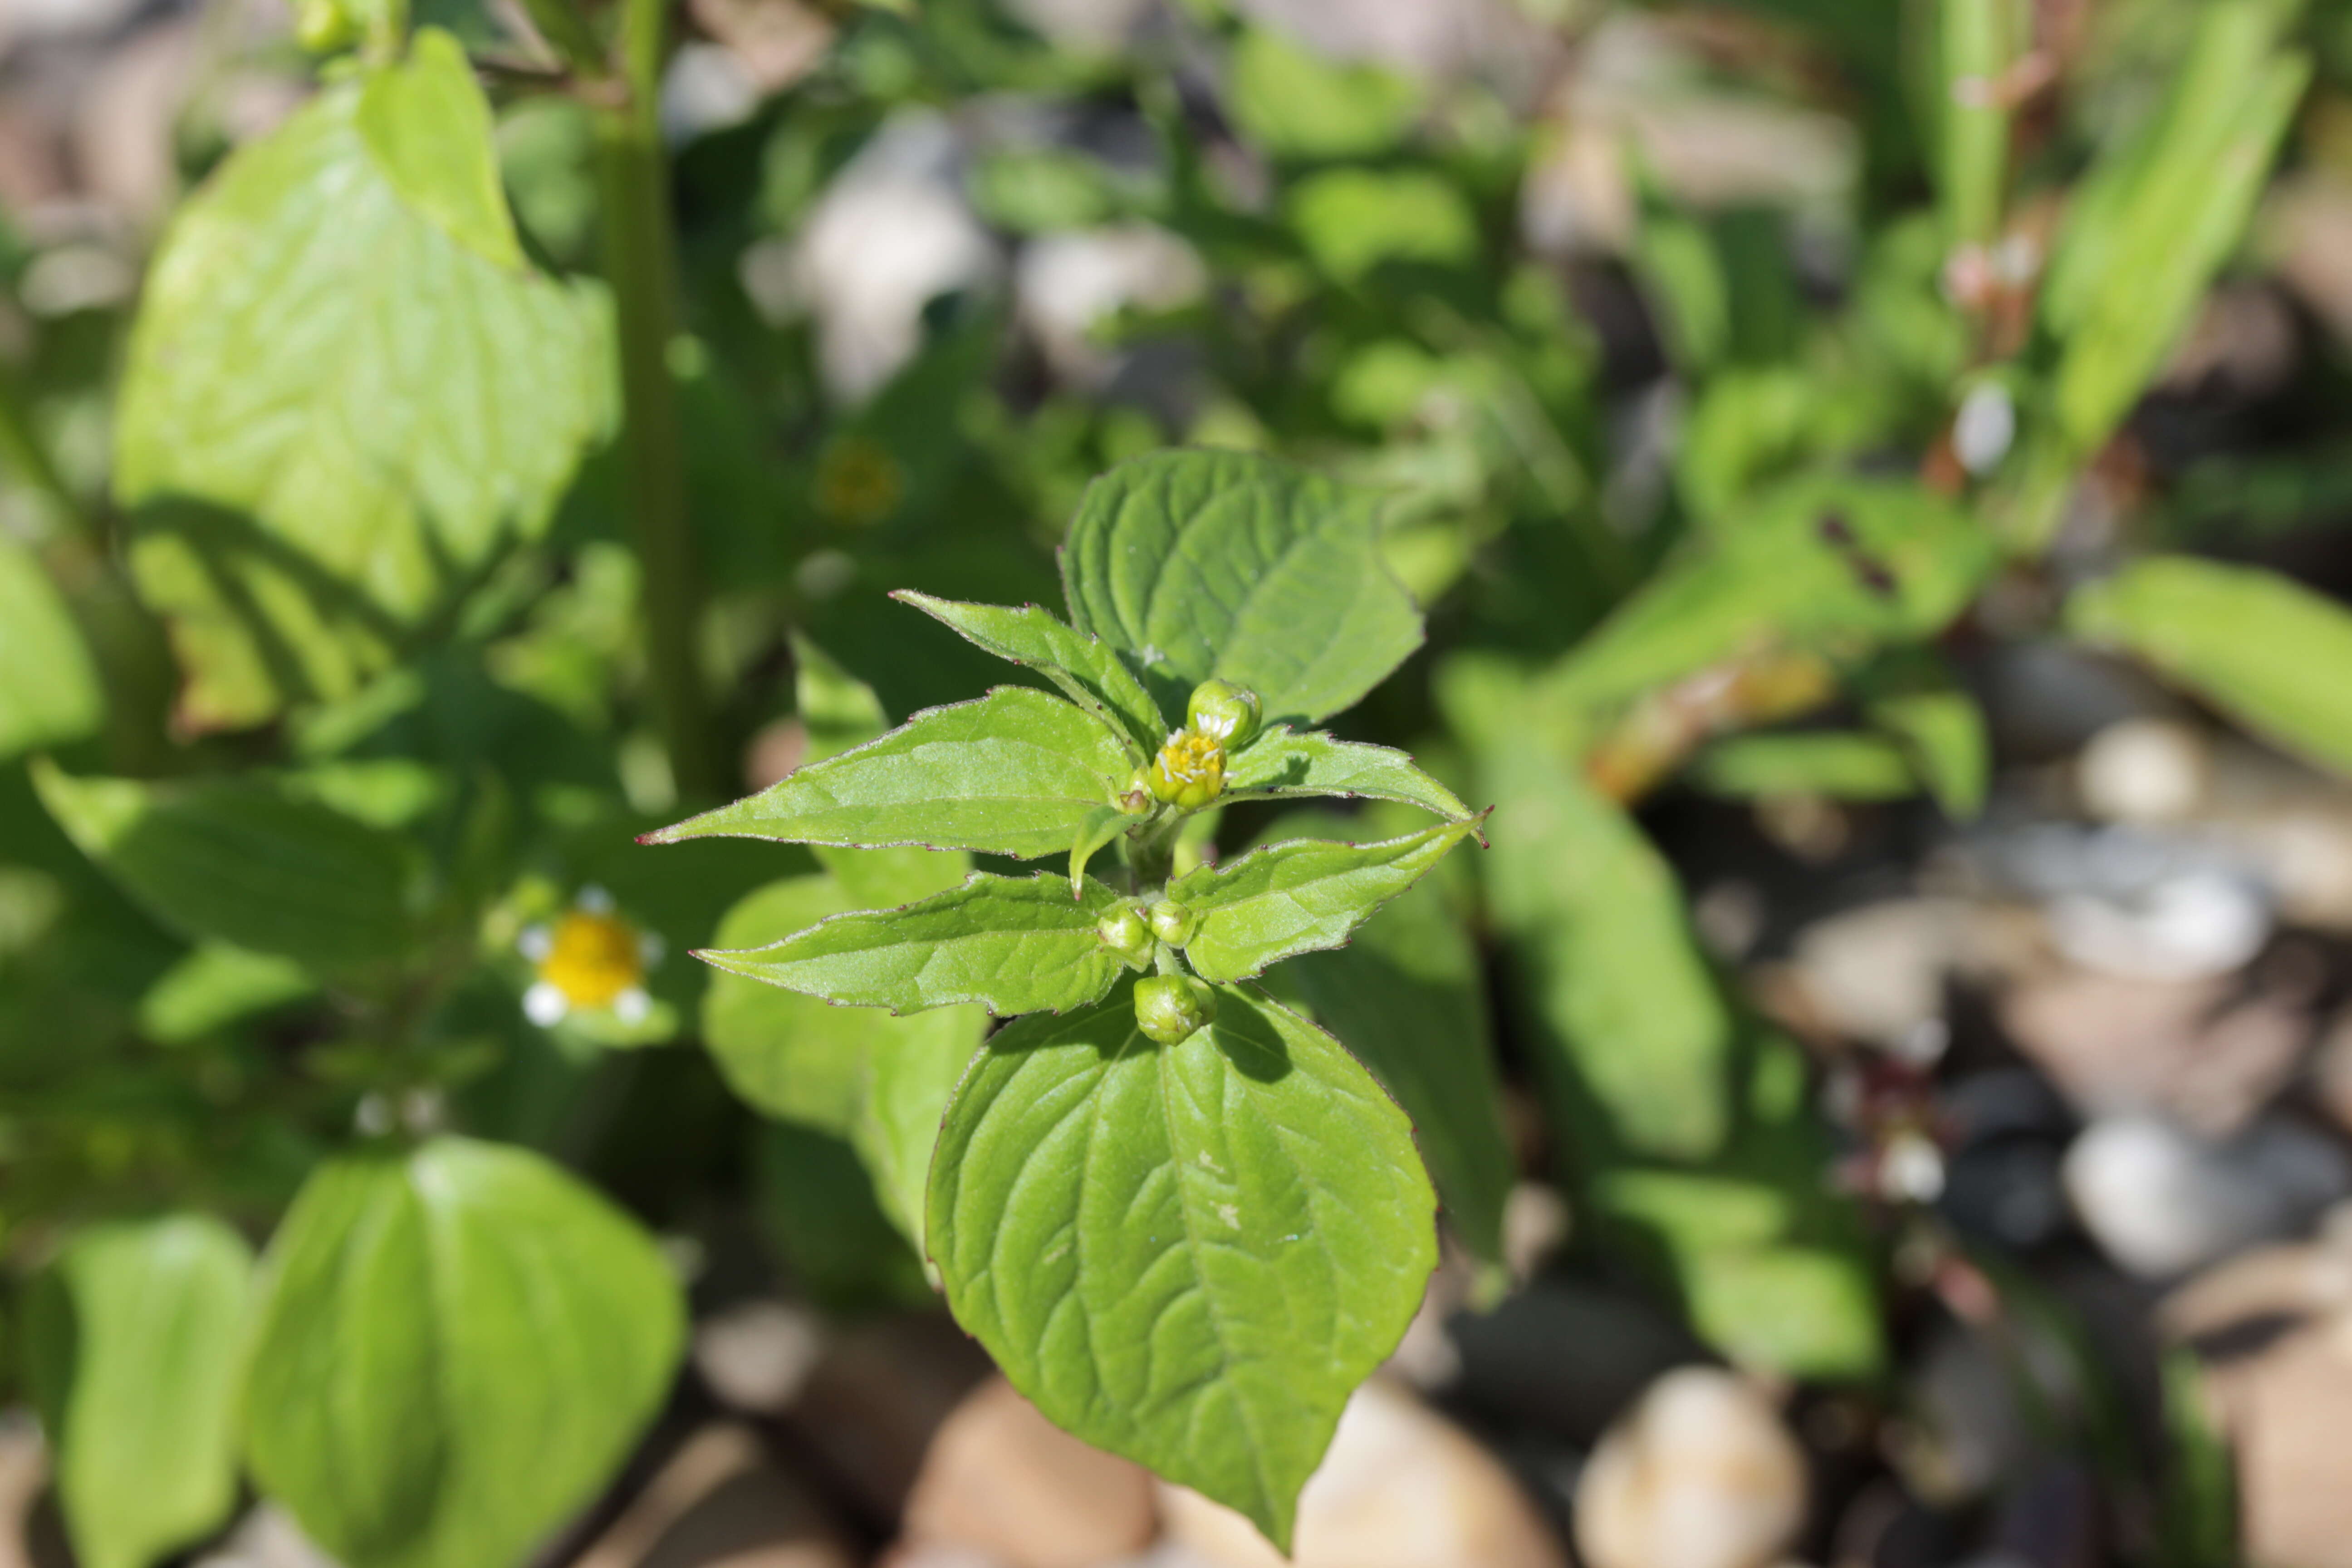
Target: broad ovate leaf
(1242,567)
(1085,669)
(1013,944)
(345,396)
(48,688)
(1189,1254)
(1016,772)
(456,1345)
(1293,898)
(1282,763)
(2268,652)
(246,861)
(1408,996)
(135,1332)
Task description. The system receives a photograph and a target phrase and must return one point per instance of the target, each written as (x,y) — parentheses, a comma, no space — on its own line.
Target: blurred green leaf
(335,414)
(1294,103)
(1628,1029)
(1282,899)
(456,1347)
(428,128)
(907,1088)
(790,1055)
(1354,220)
(1824,564)
(2162,210)
(1939,725)
(136,1331)
(245,861)
(819,1208)
(1843,766)
(1189,1254)
(217,985)
(2256,646)
(48,688)
(1230,565)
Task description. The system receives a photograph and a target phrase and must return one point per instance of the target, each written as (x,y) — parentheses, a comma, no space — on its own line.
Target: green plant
(475,501)
(1184,1219)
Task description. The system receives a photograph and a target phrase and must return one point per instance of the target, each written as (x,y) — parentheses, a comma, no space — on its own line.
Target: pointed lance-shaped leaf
(1294,898)
(1281,764)
(1016,772)
(1081,664)
(1015,944)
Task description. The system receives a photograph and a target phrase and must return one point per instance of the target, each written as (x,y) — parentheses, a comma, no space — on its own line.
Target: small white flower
(632,1006)
(536,942)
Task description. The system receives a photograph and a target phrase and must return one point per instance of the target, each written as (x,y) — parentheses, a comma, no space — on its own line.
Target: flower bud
(1172,923)
(1135,800)
(1190,770)
(1221,708)
(1124,932)
(1170,1008)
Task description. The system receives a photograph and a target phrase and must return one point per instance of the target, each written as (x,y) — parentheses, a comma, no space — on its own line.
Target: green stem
(643,272)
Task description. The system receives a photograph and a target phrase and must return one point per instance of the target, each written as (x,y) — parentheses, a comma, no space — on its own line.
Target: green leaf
(1282,763)
(1353,220)
(1630,1033)
(784,1053)
(1941,730)
(1085,669)
(1840,766)
(136,1333)
(338,410)
(907,1083)
(457,1347)
(242,860)
(1015,944)
(1408,997)
(2262,649)
(1016,772)
(428,128)
(2159,214)
(48,688)
(818,1209)
(1239,566)
(217,985)
(837,708)
(1294,103)
(1826,563)
(1293,898)
(1189,1254)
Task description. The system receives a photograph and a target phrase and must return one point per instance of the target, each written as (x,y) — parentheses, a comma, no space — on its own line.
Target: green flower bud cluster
(1124,932)
(1170,1008)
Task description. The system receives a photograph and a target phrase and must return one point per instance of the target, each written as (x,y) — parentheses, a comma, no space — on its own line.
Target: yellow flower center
(1191,757)
(592,959)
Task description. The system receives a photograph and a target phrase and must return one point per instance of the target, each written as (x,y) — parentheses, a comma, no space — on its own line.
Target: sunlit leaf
(1189,1254)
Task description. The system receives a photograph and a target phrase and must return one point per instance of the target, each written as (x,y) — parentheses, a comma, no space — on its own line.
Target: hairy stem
(642,270)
